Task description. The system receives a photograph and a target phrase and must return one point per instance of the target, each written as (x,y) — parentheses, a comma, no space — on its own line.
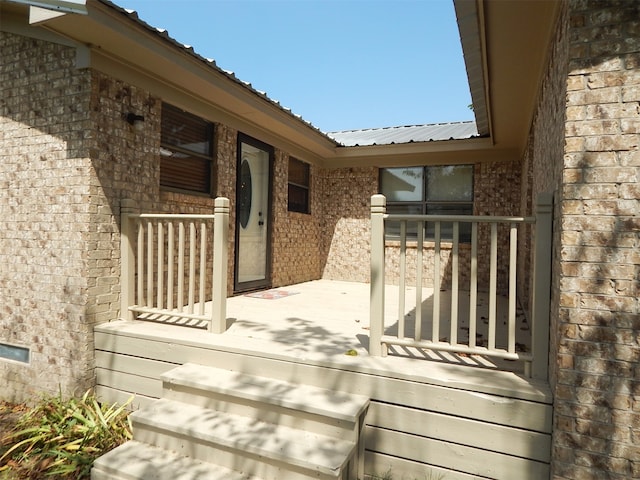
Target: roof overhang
(61,6)
(446,152)
(116,43)
(505,44)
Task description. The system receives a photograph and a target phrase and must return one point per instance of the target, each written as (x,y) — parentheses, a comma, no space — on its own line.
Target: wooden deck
(321,319)
(459,416)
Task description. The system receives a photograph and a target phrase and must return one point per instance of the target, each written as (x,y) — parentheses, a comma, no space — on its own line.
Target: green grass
(62,438)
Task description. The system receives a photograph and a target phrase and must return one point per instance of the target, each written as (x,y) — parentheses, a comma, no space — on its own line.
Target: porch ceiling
(505,44)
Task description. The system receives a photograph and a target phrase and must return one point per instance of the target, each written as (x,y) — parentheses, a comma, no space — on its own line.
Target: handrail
(152,253)
(536,360)
(458,218)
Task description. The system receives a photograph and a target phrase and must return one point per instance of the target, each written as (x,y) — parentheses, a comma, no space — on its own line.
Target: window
(186,152)
(439,190)
(14,353)
(298,186)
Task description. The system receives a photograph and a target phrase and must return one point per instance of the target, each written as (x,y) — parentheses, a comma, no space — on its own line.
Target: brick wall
(542,165)
(45,206)
(597,412)
(123,165)
(297,237)
(67,159)
(347,197)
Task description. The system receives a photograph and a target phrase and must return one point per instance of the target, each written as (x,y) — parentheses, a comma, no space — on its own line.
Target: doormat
(271,294)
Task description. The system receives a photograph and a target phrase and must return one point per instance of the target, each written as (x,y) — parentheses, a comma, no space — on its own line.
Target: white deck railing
(175,265)
(536,360)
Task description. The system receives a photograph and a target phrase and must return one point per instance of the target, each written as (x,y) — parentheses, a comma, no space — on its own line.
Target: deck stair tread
(297,447)
(315,400)
(214,424)
(139,461)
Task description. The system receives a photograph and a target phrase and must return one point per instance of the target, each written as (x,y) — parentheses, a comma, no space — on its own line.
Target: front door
(253,219)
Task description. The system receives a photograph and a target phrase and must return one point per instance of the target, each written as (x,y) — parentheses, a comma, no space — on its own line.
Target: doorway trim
(264,283)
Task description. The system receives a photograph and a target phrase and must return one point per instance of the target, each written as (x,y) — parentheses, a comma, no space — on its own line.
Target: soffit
(506,45)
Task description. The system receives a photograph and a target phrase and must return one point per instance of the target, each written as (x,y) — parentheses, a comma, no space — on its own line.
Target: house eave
(505,73)
(506,47)
(447,152)
(125,48)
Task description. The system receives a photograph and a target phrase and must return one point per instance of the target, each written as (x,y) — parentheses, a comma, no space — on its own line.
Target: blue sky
(340,64)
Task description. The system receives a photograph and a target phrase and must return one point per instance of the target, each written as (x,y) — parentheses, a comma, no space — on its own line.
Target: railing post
(541,298)
(127,257)
(376,304)
(220,262)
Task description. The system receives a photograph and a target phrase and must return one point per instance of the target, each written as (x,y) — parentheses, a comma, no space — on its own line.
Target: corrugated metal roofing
(133,15)
(406,134)
(350,138)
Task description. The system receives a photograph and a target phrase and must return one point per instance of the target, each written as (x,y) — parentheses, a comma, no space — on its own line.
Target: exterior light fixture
(135,120)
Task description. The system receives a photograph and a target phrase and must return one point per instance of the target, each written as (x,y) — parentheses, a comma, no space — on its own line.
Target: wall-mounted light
(135,120)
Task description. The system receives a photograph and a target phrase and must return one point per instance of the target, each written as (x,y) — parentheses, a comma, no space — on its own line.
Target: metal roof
(406,134)
(350,138)
(163,33)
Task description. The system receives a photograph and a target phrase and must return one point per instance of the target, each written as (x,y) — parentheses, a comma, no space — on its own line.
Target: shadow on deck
(440,414)
(321,319)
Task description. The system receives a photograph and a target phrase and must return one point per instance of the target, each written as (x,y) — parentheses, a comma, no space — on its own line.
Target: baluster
(493,280)
(150,261)
(419,263)
(454,285)
(473,289)
(402,280)
(192,266)
(140,257)
(513,255)
(180,304)
(203,267)
(160,293)
(435,324)
(170,264)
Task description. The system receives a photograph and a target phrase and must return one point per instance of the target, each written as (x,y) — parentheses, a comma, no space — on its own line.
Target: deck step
(139,461)
(212,421)
(315,409)
(239,442)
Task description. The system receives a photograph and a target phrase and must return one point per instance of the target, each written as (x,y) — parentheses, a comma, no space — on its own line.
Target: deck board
(486,421)
(164,341)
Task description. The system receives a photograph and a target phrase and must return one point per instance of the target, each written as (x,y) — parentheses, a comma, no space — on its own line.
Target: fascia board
(14,21)
(62,6)
(134,46)
(204,106)
(470,20)
(414,147)
(450,152)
